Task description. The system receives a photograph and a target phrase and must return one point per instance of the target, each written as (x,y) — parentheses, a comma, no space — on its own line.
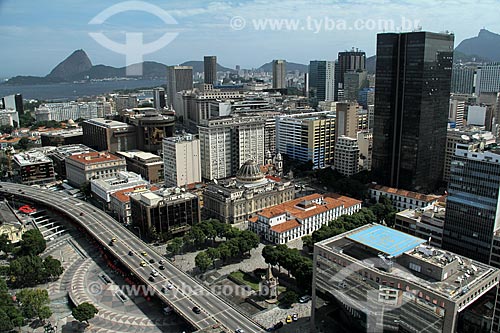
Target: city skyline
(198,22)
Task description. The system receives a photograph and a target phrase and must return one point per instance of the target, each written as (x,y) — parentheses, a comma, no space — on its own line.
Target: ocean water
(71,91)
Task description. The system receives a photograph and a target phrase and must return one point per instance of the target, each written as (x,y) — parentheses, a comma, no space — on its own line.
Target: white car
(154,273)
(170,286)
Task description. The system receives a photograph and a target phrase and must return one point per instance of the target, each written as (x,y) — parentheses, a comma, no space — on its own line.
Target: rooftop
(65,133)
(285,226)
(94,157)
(310,205)
(106,123)
(139,155)
(75,149)
(405,193)
(386,240)
(29,158)
(124,195)
(390,252)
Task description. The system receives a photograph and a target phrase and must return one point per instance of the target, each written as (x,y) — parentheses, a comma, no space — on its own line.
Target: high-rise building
(346,156)
(457,110)
(210,69)
(227,143)
(165,213)
(365,144)
(179,78)
(349,61)
(472,214)
(33,167)
(411,108)
(347,119)
(472,138)
(148,165)
(354,81)
(307,137)
(110,135)
(13,102)
(152,127)
(463,79)
(322,80)
(279,74)
(181,160)
(195,105)
(159,101)
(488,79)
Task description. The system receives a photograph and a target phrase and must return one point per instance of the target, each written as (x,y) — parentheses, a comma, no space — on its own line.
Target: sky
(38,34)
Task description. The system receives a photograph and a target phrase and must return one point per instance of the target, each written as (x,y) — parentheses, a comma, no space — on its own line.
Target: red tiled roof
(290,207)
(253,219)
(124,195)
(94,157)
(348,201)
(285,226)
(405,193)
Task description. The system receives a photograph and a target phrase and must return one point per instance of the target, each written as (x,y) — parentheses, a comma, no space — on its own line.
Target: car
(144,253)
(161,262)
(143,263)
(304,299)
(239,330)
(113,239)
(161,267)
(278,325)
(295,316)
(152,278)
(170,286)
(130,253)
(196,310)
(154,272)
(111,243)
(81,214)
(288,319)
(152,261)
(164,289)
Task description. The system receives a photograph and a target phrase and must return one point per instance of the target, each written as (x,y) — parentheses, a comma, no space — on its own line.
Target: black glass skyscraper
(411,108)
(210,67)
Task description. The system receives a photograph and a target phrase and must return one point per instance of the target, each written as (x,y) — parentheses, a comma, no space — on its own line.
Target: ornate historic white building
(236,199)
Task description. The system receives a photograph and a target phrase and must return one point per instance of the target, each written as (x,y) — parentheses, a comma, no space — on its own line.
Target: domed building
(236,199)
(249,173)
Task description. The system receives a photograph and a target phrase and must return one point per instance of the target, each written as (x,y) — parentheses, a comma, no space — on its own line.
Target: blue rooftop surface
(386,240)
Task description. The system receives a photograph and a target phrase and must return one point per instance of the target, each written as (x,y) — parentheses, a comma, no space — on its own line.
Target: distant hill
(483,48)
(78,62)
(485,45)
(290,67)
(78,67)
(198,67)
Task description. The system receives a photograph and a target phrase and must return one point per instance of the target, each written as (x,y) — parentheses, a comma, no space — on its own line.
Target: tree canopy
(34,303)
(32,243)
(84,312)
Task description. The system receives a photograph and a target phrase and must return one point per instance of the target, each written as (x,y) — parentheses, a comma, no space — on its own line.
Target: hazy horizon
(37,36)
